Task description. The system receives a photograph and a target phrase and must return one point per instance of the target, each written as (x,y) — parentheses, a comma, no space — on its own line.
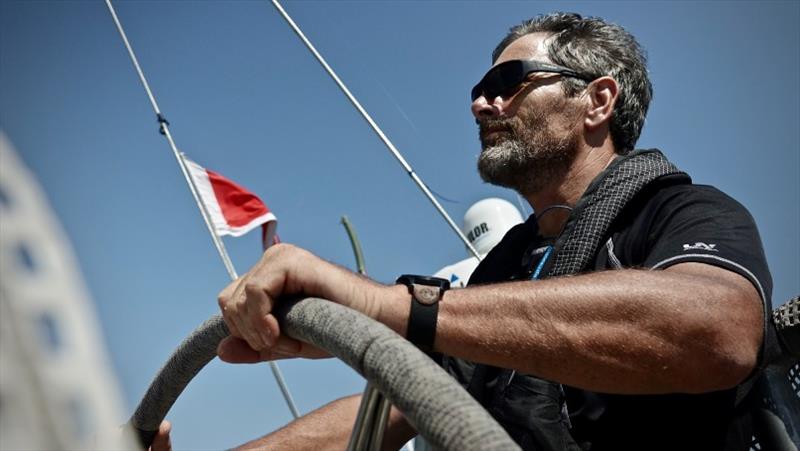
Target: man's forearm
(692,329)
(329,428)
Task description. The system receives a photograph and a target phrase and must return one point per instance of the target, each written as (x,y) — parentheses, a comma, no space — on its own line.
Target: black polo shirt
(667,223)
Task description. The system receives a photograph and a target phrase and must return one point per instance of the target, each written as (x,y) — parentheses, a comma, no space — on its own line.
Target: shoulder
(694,214)
(690,195)
(666,206)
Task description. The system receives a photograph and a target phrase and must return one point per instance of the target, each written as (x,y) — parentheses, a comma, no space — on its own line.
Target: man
(648,341)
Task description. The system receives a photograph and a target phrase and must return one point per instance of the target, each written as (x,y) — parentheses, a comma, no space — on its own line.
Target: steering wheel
(431,400)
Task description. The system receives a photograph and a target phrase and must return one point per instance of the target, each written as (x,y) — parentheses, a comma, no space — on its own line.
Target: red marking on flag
(232,209)
(238,205)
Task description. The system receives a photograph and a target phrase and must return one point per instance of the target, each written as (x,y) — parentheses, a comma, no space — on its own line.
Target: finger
(226,307)
(162,441)
(257,294)
(230,288)
(271,323)
(236,350)
(232,329)
(312,352)
(238,289)
(237,315)
(259,305)
(286,347)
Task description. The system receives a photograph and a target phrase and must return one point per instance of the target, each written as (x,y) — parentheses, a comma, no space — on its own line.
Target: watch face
(427,294)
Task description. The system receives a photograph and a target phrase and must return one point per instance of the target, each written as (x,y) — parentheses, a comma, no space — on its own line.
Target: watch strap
(426,292)
(422,324)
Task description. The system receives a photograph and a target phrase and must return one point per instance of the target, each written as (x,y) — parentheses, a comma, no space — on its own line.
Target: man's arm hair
(690,328)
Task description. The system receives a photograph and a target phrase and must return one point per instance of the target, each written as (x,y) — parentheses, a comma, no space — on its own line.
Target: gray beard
(527,166)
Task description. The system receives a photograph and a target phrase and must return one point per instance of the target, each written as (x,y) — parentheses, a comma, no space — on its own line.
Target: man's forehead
(530,46)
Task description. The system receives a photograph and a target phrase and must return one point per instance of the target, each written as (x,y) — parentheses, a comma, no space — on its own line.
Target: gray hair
(594,48)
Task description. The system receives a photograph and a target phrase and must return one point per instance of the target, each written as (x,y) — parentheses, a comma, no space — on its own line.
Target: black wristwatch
(426,292)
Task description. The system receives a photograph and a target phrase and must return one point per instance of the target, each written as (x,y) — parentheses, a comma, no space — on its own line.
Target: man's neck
(567,189)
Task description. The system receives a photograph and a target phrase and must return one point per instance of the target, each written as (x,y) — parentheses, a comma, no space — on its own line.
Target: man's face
(531,137)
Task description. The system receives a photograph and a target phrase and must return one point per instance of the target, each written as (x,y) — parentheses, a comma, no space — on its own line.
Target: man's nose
(483,109)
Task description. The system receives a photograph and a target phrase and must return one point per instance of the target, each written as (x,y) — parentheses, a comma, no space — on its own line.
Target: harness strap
(605,198)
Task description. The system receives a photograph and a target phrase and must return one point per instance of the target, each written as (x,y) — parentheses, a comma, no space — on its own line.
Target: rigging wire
(409,170)
(164,130)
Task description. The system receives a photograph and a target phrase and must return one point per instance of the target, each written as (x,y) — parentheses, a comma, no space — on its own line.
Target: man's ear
(602,95)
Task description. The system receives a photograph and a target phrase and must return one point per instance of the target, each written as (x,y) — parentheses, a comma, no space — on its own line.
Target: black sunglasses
(503,79)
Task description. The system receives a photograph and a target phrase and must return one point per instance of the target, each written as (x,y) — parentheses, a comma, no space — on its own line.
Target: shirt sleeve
(702,224)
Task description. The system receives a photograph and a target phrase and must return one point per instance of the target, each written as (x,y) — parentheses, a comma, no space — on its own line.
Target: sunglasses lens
(477,91)
(501,80)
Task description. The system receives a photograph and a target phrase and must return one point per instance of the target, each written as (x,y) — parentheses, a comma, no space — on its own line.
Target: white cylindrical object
(487,221)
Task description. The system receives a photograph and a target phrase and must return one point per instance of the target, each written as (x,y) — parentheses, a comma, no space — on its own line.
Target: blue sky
(246,99)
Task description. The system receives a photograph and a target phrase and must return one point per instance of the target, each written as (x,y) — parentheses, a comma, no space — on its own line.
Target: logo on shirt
(700,247)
